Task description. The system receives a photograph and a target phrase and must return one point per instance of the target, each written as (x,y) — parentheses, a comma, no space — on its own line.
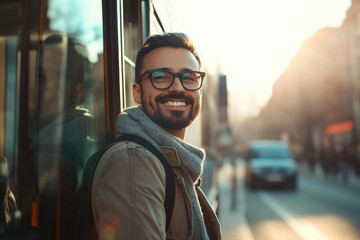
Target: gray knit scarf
(135,121)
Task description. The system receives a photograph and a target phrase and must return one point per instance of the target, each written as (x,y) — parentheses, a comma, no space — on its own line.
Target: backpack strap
(169,184)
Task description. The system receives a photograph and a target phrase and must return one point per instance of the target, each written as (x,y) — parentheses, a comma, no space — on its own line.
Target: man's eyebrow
(163,68)
(171,70)
(187,70)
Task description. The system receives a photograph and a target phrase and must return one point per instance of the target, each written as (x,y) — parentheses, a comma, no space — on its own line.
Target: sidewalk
(232,217)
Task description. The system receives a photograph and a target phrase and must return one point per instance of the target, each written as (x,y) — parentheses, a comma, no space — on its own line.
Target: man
(129,184)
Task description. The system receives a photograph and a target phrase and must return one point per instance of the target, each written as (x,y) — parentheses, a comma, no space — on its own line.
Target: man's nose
(177,86)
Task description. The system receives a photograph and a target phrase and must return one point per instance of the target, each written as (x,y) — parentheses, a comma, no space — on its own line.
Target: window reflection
(66,138)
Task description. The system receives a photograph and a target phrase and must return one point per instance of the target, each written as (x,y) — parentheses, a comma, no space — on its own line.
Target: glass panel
(67,82)
(9,104)
(66,136)
(132,42)
(51,78)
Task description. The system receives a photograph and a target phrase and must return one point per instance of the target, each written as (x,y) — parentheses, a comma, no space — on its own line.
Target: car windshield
(276,152)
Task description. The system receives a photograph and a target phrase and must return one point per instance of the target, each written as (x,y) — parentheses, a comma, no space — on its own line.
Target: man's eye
(189,76)
(159,75)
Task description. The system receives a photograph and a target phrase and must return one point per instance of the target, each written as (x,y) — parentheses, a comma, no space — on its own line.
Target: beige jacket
(128,197)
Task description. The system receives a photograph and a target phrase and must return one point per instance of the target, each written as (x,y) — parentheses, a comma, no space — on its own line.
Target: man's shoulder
(125,147)
(125,158)
(123,152)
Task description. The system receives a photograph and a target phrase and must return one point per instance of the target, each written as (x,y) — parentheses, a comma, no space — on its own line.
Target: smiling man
(172,95)
(128,192)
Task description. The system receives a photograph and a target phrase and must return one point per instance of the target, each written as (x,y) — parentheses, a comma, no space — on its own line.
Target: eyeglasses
(162,79)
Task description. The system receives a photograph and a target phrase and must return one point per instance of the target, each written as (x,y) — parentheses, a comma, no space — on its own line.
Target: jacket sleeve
(128,194)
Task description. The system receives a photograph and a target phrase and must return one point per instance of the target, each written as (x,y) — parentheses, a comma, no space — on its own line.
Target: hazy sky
(253,40)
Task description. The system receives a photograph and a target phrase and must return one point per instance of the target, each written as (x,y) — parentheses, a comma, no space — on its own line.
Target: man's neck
(179,133)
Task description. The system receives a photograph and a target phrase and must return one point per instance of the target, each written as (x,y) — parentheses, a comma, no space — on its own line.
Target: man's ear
(136,93)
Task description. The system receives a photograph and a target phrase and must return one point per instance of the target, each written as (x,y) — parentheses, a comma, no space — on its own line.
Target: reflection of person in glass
(65,140)
(65,79)
(7,199)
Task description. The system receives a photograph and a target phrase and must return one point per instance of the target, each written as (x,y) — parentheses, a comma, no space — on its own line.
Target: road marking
(305,229)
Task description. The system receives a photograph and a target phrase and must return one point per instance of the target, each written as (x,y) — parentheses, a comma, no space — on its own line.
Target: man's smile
(175,103)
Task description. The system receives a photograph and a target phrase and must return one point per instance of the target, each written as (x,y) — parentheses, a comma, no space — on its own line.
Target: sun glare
(252,41)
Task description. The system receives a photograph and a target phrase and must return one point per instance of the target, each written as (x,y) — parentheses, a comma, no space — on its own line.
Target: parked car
(270,163)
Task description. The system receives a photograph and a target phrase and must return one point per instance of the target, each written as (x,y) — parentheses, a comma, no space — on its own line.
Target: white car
(270,162)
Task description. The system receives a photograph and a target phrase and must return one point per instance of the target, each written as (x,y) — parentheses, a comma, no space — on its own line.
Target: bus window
(52,104)
(66,136)
(132,42)
(69,109)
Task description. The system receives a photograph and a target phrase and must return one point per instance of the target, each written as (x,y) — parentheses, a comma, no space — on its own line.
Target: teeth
(175,104)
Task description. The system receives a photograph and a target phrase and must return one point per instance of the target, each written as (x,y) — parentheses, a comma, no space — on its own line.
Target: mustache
(174,96)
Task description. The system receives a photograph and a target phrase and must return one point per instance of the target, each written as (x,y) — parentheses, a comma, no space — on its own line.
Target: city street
(321,208)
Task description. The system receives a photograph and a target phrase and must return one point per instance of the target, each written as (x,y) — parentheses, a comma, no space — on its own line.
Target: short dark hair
(169,39)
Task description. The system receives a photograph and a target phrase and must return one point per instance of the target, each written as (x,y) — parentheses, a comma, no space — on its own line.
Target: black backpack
(85,222)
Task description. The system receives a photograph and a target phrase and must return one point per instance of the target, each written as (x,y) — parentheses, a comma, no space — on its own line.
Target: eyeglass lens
(162,79)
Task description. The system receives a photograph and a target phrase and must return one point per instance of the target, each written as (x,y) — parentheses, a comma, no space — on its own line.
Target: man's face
(173,108)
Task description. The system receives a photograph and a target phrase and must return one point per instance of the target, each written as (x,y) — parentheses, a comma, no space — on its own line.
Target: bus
(66,70)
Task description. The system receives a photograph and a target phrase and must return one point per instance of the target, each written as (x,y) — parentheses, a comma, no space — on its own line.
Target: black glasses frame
(178,74)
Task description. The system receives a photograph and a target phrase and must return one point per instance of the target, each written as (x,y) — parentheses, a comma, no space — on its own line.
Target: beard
(173,119)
